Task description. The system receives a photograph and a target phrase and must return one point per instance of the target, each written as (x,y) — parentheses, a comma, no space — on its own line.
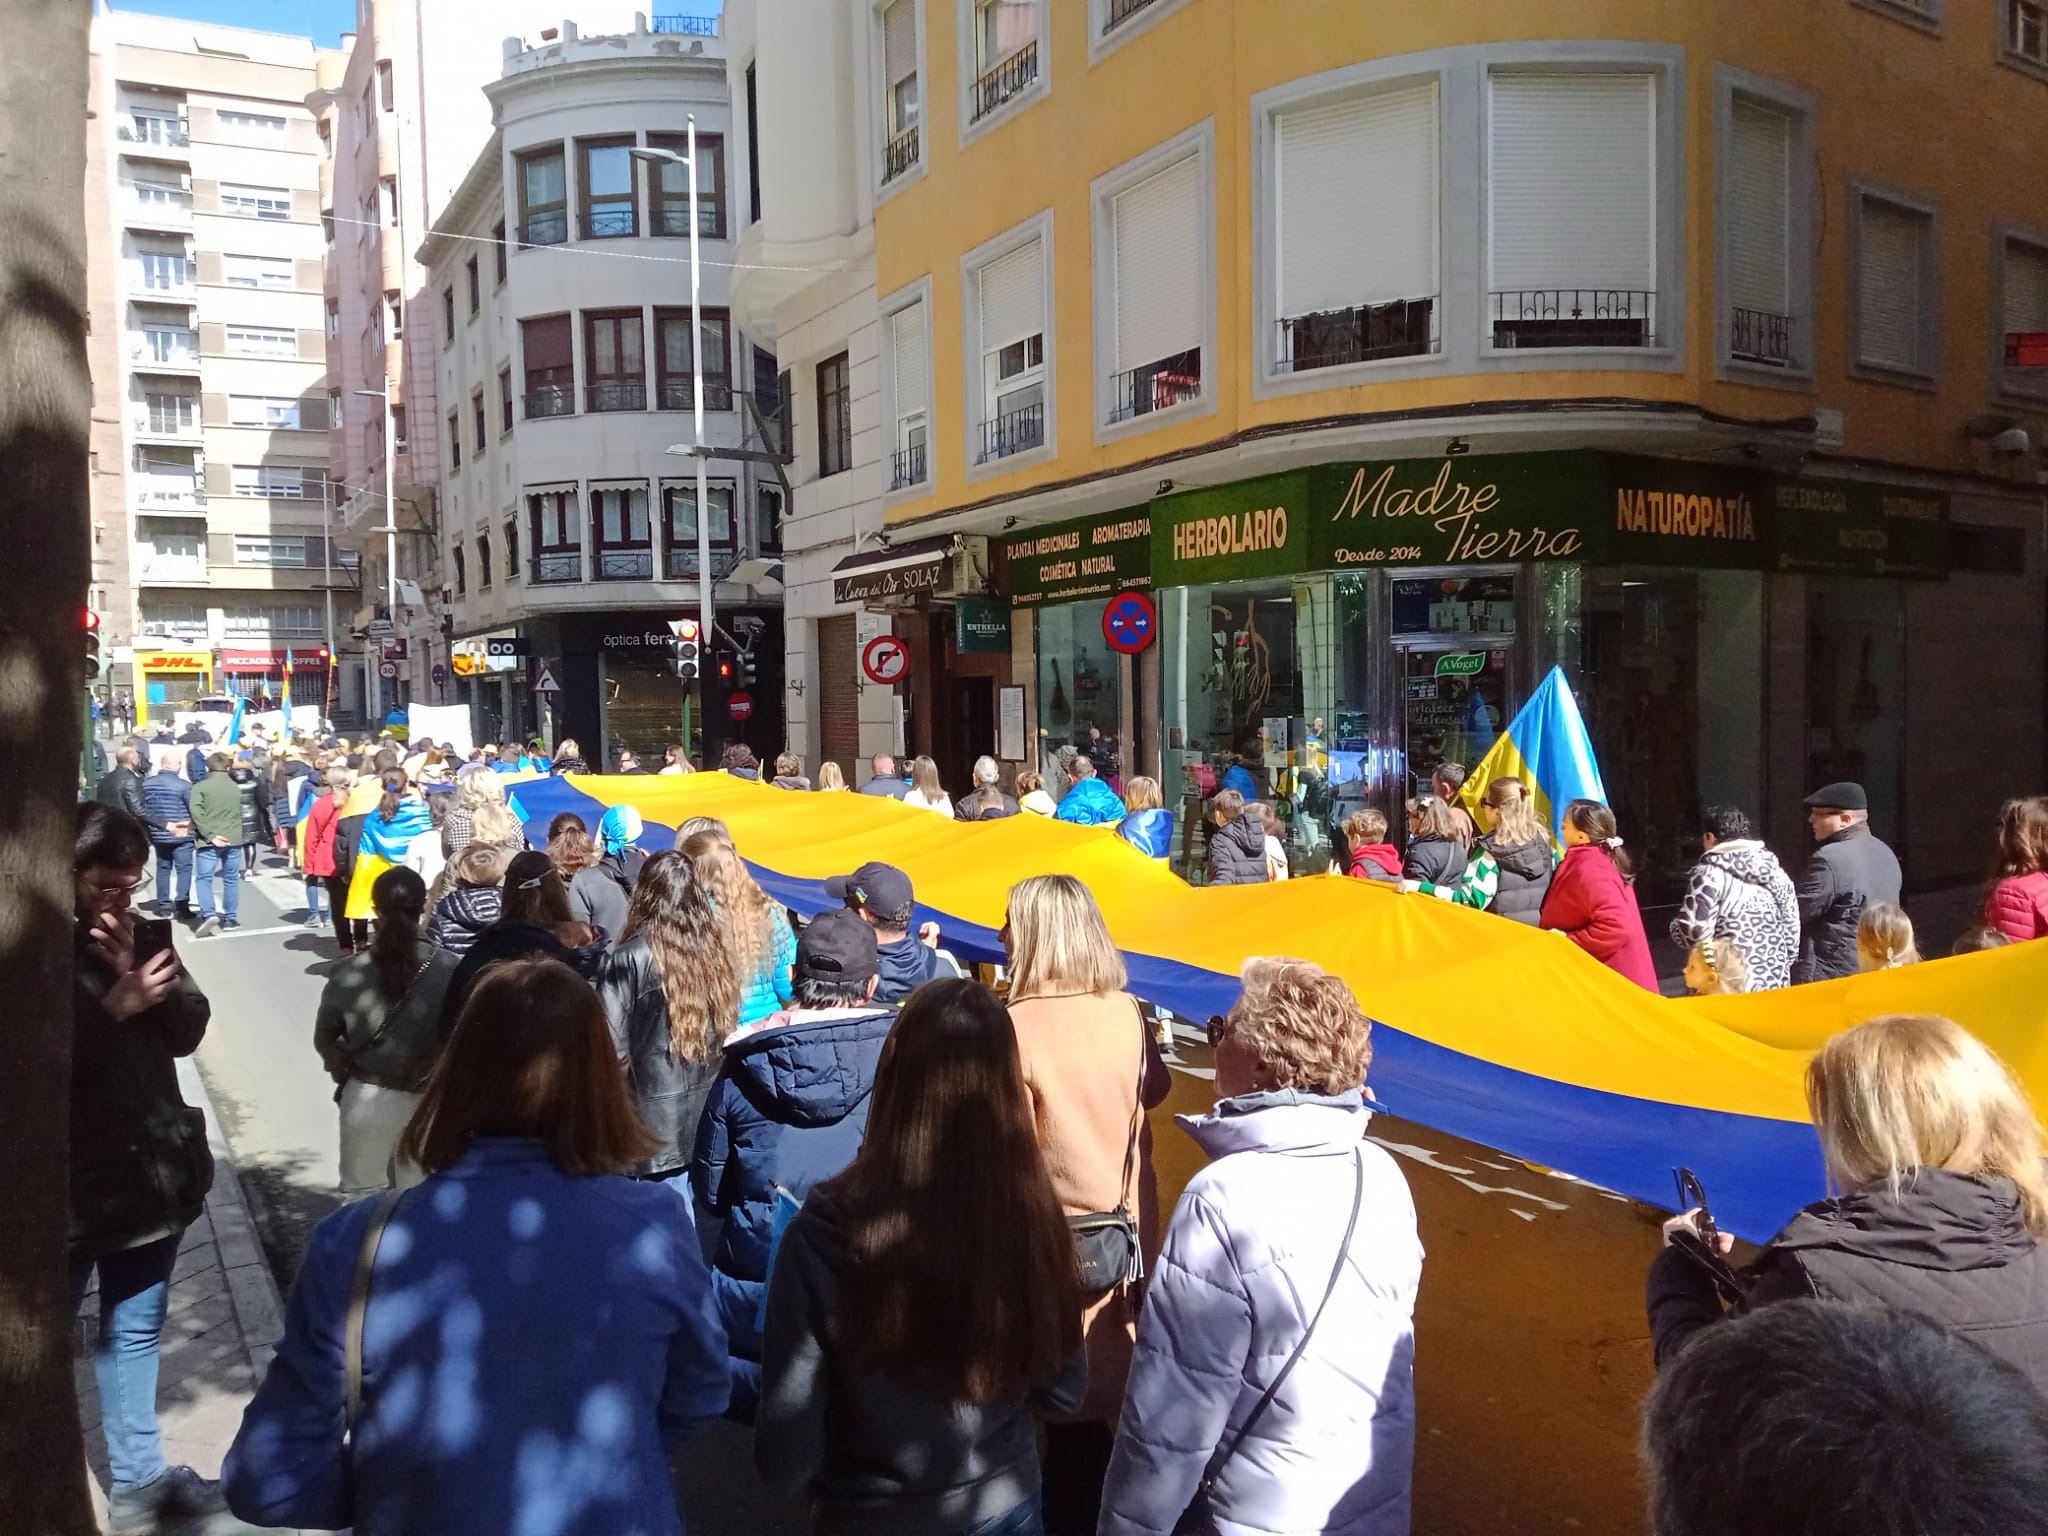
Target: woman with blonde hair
(763,945)
(1943,1203)
(1093,1069)
(1148,826)
(924,791)
(475,787)
(831,776)
(1511,864)
(1884,939)
(1032,796)
(1716,966)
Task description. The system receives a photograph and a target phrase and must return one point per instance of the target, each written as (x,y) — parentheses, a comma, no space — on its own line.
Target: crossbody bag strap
(354,1053)
(1137,1111)
(1336,1273)
(359,1306)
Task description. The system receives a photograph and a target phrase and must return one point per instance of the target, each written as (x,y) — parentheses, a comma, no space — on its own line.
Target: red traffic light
(686,629)
(724,670)
(323,653)
(92,620)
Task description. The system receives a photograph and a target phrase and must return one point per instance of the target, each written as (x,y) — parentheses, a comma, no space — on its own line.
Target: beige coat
(1082,1058)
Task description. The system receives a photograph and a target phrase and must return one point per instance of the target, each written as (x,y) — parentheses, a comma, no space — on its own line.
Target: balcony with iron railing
(550,399)
(678,393)
(1758,336)
(671,220)
(906,467)
(625,564)
(1363,333)
(688,26)
(1014,432)
(900,154)
(615,395)
(679,562)
(552,567)
(1117,12)
(611,223)
(1575,317)
(1005,79)
(544,228)
(1157,386)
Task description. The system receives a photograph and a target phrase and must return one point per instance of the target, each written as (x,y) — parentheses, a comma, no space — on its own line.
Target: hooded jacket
(1149,831)
(668,1093)
(1848,872)
(1739,892)
(1590,904)
(1952,1247)
(254,791)
(1522,878)
(876,1456)
(903,965)
(2018,907)
(1434,860)
(789,1109)
(1090,803)
(1377,861)
(1237,853)
(464,913)
(790,781)
(1247,1260)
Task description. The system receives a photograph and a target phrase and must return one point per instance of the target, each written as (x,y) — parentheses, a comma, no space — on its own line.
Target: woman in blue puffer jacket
(1148,827)
(764,946)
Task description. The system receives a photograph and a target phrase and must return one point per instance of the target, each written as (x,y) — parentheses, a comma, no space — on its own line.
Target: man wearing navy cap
(1849,871)
(881,894)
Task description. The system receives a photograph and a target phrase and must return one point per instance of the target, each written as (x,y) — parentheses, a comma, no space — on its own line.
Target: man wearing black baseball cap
(789,1108)
(881,894)
(1850,870)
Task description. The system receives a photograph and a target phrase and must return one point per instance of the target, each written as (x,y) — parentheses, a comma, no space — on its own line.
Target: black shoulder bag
(1198,1519)
(1107,1241)
(351,1055)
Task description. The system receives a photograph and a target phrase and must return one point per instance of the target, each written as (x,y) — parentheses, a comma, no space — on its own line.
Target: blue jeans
(169,856)
(1024,1520)
(228,861)
(313,885)
(135,1292)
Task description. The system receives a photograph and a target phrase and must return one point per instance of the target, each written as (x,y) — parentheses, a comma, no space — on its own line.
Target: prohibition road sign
(884,660)
(1130,622)
(740,705)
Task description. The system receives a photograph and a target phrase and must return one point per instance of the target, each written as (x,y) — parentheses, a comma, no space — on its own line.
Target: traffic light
(92,645)
(725,666)
(683,648)
(747,673)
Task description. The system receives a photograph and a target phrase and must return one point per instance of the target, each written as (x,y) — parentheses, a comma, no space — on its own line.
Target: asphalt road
(1532,1349)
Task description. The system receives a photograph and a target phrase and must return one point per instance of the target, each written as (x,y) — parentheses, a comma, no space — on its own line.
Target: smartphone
(152,937)
(1692,1196)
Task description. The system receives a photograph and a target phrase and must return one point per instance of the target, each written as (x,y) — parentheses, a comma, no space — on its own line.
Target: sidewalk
(224,1323)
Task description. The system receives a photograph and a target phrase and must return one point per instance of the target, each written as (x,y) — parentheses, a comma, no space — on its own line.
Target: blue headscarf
(620,829)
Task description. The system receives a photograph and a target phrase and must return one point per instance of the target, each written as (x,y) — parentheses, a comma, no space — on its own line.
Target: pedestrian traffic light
(747,672)
(683,647)
(92,645)
(725,667)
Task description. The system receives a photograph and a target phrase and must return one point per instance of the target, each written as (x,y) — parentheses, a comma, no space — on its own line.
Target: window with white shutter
(1010,300)
(1572,210)
(1891,288)
(909,389)
(1159,291)
(2025,286)
(1757,203)
(1357,229)
(903,105)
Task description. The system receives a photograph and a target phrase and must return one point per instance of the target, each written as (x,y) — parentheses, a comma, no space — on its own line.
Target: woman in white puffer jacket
(1292,1259)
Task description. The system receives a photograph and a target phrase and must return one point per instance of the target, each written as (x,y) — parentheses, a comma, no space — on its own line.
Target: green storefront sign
(1607,509)
(1093,557)
(980,624)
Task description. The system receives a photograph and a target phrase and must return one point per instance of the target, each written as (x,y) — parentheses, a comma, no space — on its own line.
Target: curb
(252,1290)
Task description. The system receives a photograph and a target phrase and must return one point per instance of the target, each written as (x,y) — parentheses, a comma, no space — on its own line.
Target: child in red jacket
(1372,856)
(2018,904)
(1592,900)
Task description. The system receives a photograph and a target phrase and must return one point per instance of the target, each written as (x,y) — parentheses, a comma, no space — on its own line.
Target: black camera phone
(152,937)
(1692,1196)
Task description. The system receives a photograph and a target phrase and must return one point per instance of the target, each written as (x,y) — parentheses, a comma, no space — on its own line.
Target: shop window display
(1080,686)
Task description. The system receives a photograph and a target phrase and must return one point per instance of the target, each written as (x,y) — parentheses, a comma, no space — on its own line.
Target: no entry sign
(740,706)
(885,660)
(1129,622)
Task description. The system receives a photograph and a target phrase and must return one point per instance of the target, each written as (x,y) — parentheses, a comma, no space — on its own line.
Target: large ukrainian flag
(1547,748)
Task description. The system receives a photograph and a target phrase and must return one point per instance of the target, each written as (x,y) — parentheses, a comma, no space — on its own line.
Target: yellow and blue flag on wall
(1547,748)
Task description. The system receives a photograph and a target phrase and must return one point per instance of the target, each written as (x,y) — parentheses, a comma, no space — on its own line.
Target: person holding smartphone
(140,1167)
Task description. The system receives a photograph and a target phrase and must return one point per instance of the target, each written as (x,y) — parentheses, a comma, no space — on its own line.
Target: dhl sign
(172,661)
(465,665)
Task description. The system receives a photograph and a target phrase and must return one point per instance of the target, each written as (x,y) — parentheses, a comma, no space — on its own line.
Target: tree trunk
(45,410)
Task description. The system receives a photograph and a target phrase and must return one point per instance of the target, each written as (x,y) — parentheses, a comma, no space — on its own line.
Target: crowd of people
(627,1151)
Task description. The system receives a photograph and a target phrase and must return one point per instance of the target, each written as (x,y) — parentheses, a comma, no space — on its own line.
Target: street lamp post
(698,449)
(389,530)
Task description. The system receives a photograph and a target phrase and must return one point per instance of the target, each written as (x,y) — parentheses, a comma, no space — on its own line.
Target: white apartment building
(402,116)
(558,284)
(806,75)
(210,405)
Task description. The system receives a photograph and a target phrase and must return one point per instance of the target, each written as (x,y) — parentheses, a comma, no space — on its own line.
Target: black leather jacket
(122,788)
(669,1093)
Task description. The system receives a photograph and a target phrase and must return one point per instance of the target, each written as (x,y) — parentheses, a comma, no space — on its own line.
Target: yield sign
(546,683)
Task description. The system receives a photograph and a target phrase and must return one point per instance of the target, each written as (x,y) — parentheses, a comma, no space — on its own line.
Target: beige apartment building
(211,405)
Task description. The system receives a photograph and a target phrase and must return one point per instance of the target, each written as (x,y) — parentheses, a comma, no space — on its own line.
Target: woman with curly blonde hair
(671,994)
(475,787)
(763,945)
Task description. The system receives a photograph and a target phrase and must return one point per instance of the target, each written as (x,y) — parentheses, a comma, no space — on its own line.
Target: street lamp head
(375,394)
(658,156)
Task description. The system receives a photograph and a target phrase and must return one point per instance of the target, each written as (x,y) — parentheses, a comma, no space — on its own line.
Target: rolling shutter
(906,360)
(1759,209)
(1571,182)
(899,41)
(1160,293)
(547,343)
(2026,288)
(839,693)
(1357,201)
(1012,290)
(1888,288)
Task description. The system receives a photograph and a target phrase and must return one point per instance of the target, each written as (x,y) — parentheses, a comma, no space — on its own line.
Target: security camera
(2012,440)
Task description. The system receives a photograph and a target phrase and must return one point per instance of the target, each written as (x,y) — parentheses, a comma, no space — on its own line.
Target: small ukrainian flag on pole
(1547,748)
